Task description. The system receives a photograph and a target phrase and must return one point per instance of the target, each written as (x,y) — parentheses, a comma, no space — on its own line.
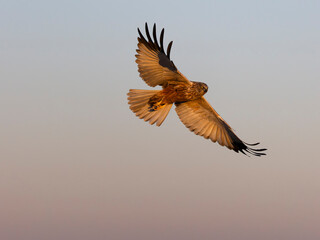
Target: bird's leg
(156,102)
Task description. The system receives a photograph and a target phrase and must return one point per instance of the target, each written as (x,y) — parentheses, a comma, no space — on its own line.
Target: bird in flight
(156,68)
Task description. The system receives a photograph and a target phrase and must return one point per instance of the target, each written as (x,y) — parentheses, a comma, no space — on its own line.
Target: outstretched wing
(203,120)
(154,65)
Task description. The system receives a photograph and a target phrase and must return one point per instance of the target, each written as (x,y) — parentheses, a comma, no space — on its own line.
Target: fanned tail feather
(138,101)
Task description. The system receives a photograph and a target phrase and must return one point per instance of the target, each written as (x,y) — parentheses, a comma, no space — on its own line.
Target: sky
(77,164)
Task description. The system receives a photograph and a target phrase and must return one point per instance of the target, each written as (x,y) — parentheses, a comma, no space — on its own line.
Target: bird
(157,69)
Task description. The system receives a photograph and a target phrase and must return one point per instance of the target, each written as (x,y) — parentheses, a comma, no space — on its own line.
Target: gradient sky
(77,164)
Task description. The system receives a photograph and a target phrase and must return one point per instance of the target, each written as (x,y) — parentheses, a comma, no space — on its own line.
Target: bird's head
(204,87)
(200,87)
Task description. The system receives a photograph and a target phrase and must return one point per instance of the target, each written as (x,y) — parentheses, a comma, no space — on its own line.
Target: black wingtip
(161,39)
(243,147)
(141,36)
(256,152)
(253,151)
(148,34)
(155,35)
(252,144)
(169,49)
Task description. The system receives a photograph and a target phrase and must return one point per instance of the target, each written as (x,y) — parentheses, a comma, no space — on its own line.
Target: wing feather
(203,120)
(206,134)
(154,65)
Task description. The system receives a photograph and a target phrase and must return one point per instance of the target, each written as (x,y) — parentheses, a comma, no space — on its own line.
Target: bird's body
(194,111)
(176,92)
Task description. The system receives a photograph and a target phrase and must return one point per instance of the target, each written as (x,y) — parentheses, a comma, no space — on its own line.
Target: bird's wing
(203,120)
(154,65)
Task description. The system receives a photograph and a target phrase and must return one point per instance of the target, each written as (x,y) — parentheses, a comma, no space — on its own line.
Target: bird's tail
(150,110)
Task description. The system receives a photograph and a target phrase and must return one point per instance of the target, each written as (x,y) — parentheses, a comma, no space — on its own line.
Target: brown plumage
(156,68)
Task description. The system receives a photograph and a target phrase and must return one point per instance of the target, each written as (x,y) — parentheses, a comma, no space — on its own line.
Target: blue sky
(76,162)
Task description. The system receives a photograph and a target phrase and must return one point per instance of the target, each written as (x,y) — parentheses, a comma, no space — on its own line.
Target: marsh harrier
(156,68)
